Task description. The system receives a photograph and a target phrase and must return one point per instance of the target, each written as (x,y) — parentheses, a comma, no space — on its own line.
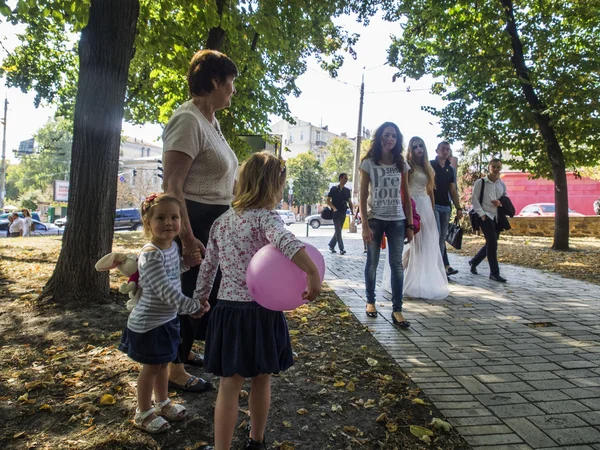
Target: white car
(288,217)
(61,222)
(316,221)
(40,229)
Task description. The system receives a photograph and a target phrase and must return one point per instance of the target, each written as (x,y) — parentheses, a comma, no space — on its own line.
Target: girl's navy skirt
(157,346)
(246,339)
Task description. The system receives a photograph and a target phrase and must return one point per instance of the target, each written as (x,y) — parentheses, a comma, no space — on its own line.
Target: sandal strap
(156,424)
(189,382)
(161,405)
(143,415)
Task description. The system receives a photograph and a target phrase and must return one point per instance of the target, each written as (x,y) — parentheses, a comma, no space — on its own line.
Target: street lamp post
(355,181)
(290,194)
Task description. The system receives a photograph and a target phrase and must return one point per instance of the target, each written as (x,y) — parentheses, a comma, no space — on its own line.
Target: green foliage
(32,198)
(465,45)
(309,179)
(340,159)
(269,41)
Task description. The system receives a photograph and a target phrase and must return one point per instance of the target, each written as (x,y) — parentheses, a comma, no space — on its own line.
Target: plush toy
(127,265)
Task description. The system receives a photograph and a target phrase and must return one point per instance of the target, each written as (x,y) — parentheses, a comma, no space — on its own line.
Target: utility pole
(355,177)
(3,167)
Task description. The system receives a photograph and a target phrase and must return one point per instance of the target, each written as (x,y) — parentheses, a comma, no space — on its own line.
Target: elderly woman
(199,169)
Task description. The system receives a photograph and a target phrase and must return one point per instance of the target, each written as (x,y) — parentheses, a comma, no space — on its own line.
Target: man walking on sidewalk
(445,188)
(487,209)
(338,199)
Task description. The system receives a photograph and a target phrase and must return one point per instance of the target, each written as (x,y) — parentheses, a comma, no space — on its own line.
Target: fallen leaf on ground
(302,411)
(107,399)
(372,362)
(419,432)
(439,424)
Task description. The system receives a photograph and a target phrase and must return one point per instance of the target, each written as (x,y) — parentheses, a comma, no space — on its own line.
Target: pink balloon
(275,282)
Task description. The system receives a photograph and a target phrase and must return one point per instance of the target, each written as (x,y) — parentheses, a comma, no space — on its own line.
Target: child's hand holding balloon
(313,281)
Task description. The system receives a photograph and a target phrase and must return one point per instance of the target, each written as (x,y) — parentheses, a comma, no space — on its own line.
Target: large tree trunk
(553,149)
(105,51)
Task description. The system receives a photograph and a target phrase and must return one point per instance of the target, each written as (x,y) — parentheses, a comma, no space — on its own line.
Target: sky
(324,101)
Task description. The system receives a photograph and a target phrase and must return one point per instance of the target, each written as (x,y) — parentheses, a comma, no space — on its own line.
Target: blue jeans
(442,218)
(394,230)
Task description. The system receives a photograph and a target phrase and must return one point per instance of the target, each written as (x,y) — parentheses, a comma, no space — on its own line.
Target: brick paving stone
(563,406)
(557,421)
(586,382)
(497,378)
(529,433)
(592,403)
(545,396)
(478,430)
(536,376)
(517,410)
(519,386)
(582,392)
(551,384)
(501,399)
(472,385)
(540,366)
(470,412)
(571,436)
(494,439)
(505,447)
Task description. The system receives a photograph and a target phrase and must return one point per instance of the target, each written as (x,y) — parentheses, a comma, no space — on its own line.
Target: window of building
(143,148)
(291,138)
(302,135)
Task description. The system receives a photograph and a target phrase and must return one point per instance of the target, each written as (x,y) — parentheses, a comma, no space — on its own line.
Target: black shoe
(451,271)
(342,252)
(473,268)
(498,278)
(401,324)
(332,250)
(251,444)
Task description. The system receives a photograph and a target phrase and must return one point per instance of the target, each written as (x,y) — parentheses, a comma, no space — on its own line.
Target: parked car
(288,217)
(317,221)
(543,209)
(128,219)
(61,222)
(34,216)
(41,229)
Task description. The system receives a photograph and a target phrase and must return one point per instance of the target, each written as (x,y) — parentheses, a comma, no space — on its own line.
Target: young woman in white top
(384,195)
(424,272)
(27,220)
(245,340)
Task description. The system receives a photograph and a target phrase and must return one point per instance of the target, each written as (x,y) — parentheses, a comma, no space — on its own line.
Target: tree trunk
(105,51)
(216,35)
(553,149)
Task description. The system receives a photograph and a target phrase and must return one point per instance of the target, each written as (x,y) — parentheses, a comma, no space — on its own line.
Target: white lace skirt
(424,272)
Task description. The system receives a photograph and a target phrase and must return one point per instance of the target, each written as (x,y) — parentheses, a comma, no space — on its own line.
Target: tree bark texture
(105,52)
(216,35)
(553,149)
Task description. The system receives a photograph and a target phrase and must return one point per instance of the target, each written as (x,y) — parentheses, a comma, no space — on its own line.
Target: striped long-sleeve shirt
(161,298)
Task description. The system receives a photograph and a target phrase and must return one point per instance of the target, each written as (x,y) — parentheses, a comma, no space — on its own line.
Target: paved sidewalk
(501,380)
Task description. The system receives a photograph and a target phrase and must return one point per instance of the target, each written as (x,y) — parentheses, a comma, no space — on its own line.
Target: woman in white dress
(26,222)
(424,273)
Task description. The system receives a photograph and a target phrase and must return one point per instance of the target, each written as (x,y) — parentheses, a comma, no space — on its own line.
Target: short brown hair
(260,182)
(206,66)
(149,203)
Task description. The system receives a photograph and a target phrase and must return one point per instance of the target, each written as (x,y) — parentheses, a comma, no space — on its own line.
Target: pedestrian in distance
(15,228)
(338,199)
(27,221)
(199,169)
(445,190)
(244,339)
(385,197)
(486,206)
(151,336)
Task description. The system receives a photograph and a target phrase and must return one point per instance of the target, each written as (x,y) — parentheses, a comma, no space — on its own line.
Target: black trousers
(202,216)
(338,223)
(490,249)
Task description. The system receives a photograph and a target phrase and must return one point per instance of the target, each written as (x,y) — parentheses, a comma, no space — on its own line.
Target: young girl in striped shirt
(152,333)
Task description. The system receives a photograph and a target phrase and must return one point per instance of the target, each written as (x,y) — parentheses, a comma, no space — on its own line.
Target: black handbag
(455,235)
(473,216)
(327,214)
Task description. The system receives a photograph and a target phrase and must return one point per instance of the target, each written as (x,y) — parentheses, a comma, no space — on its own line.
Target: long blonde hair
(425,165)
(260,183)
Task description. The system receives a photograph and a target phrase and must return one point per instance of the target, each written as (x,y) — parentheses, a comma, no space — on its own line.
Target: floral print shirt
(234,239)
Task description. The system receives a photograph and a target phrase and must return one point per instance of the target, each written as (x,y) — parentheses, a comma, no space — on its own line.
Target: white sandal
(171,411)
(155,426)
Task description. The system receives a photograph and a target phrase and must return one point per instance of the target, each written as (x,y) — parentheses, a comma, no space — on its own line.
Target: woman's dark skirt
(157,346)
(246,339)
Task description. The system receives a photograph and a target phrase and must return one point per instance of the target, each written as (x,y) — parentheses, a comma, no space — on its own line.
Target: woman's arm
(365,179)
(176,168)
(407,205)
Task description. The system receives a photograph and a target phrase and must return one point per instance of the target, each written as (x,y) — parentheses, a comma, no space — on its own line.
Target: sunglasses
(414,147)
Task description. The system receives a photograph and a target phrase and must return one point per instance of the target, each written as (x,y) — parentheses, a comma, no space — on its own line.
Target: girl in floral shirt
(245,340)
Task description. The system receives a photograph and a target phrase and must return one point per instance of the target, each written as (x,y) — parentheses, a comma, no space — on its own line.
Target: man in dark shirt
(338,199)
(445,189)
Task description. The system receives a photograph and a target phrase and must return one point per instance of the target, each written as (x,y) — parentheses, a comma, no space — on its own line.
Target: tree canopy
(518,78)
(340,158)
(309,180)
(268,40)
